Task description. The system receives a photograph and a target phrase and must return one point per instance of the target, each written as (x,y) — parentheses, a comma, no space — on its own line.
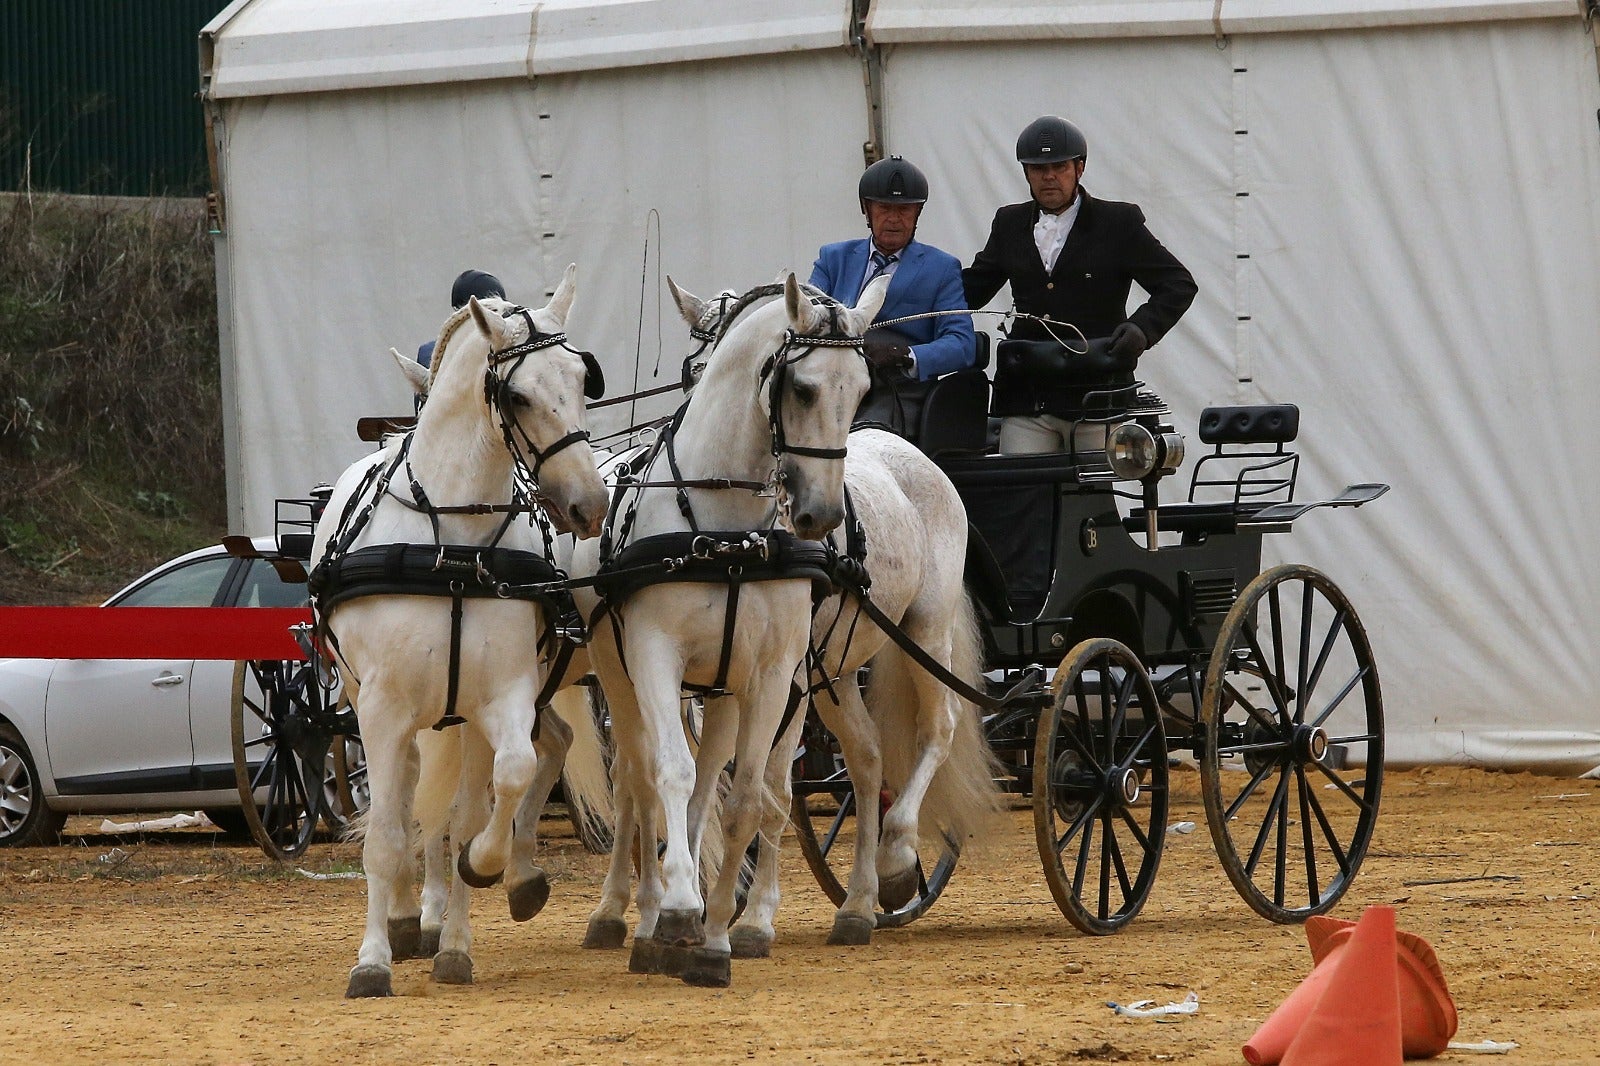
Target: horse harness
(462,571)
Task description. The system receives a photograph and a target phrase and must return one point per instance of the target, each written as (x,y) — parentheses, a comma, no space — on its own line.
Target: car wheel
(230,821)
(25,819)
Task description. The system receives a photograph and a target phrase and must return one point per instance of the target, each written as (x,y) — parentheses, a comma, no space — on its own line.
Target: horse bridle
(497,394)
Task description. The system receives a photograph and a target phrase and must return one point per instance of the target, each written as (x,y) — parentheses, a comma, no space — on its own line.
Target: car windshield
(194,585)
(264,588)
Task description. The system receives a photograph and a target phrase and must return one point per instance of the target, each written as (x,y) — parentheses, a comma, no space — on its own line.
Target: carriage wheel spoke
(1122,867)
(1273,809)
(1335,630)
(1333,704)
(1251,709)
(1303,662)
(1249,790)
(846,806)
(1275,686)
(1279,866)
(1133,827)
(1344,787)
(1307,841)
(1106,848)
(1075,736)
(1276,610)
(1138,746)
(1084,845)
(1327,832)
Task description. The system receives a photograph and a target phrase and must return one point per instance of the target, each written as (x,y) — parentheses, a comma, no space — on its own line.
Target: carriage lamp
(1135,452)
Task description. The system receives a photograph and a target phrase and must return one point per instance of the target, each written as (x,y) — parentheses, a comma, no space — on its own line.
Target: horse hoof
(405,938)
(684,929)
(895,892)
(452,968)
(428,943)
(606,934)
(646,956)
(708,969)
(529,898)
(368,982)
(471,876)
(674,960)
(749,943)
(851,930)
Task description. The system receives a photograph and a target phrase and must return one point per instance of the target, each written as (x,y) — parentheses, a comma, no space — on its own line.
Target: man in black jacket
(1071,258)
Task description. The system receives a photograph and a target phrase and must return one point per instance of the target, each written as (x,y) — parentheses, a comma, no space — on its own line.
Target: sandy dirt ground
(174,948)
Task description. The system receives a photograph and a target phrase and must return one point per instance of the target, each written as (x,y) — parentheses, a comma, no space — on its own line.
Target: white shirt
(888,271)
(1050,233)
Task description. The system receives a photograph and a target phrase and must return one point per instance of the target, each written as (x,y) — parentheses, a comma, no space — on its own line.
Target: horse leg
(468,812)
(752,935)
(743,811)
(440,751)
(506,725)
(897,856)
(607,927)
(859,743)
(386,850)
(526,885)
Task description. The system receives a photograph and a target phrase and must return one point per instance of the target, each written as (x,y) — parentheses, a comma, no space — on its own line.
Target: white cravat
(1050,233)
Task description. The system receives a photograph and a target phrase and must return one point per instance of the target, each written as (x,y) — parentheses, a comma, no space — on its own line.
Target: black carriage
(1173,652)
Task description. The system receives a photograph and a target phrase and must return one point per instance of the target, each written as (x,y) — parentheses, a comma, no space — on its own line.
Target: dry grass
(110,406)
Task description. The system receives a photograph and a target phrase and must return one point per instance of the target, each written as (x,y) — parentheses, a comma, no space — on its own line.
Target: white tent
(1389,206)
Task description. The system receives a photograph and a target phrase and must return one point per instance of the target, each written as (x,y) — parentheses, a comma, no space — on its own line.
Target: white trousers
(1033,434)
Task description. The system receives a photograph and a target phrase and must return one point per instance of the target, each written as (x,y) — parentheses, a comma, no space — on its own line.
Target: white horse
(773,408)
(920,738)
(505,395)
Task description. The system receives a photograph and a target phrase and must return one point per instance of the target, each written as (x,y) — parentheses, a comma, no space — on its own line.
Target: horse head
(534,387)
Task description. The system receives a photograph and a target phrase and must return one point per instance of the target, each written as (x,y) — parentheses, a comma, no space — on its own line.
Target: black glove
(1127,345)
(882,355)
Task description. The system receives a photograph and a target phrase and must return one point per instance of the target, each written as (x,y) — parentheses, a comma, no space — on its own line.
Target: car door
(116,726)
(211,694)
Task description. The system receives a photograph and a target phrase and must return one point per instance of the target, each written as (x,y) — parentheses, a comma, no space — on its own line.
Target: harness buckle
(703,548)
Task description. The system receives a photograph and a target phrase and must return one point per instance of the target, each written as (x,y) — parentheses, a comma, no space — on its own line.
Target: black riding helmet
(1050,139)
(472,283)
(892,181)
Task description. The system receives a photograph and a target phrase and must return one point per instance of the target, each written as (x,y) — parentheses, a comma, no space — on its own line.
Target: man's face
(892,225)
(1054,184)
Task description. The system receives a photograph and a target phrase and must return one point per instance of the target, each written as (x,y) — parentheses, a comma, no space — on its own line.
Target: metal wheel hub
(1070,785)
(1311,744)
(1123,786)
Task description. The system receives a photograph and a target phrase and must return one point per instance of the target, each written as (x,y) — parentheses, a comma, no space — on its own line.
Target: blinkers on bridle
(497,393)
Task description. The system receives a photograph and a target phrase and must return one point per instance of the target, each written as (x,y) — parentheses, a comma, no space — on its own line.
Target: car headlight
(1135,453)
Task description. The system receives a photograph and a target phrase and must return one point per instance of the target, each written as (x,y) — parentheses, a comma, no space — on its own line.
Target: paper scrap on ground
(1142,1008)
(1181,827)
(152,825)
(347,876)
(1485,1047)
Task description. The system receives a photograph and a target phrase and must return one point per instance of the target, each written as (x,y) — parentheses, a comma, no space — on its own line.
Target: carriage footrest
(1280,516)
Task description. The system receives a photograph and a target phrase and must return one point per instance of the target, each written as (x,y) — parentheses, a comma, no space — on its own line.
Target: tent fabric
(1391,222)
(299,46)
(927,21)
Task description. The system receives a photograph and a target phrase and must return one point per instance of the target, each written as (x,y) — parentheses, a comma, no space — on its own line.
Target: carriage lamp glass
(1135,453)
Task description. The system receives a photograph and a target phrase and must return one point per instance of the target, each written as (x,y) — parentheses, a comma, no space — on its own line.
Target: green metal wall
(103,92)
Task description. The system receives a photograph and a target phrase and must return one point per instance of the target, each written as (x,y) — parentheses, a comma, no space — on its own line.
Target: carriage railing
(295,522)
(1258,476)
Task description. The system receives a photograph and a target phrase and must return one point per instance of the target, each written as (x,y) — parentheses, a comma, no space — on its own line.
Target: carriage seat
(955,417)
(1271,423)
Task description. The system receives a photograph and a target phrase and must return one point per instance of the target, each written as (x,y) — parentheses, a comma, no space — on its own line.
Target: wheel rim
(1100,814)
(1291,744)
(823,814)
(282,734)
(18,791)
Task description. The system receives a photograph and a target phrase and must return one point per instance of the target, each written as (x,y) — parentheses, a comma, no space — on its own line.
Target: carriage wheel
(282,734)
(345,793)
(823,813)
(1291,744)
(1100,817)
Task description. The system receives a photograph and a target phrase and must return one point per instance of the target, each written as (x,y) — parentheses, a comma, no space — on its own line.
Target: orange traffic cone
(1427,1014)
(1356,1020)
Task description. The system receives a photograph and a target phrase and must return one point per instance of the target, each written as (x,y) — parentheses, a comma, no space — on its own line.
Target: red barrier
(150,632)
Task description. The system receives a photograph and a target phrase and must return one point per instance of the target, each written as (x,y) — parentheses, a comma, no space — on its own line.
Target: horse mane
(448,330)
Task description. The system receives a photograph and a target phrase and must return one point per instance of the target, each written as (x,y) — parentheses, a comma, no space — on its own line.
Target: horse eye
(519,400)
(806,394)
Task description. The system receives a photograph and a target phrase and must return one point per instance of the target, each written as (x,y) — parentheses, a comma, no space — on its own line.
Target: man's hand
(1127,345)
(885,356)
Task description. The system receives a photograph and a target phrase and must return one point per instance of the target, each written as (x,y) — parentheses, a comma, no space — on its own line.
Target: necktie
(880,263)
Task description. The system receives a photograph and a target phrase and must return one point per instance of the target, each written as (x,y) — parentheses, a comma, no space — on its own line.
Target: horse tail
(963,795)
(585,778)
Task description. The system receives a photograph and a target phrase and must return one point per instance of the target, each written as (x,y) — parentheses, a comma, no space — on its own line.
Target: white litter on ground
(152,825)
(1190,1004)
(347,876)
(1182,828)
(1485,1047)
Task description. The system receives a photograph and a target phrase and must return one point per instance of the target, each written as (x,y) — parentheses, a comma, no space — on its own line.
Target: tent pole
(873,149)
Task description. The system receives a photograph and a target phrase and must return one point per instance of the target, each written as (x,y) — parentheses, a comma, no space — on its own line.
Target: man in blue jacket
(905,357)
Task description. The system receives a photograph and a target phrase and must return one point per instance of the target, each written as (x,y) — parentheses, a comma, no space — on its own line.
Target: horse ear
(493,326)
(415,372)
(869,302)
(801,313)
(690,306)
(561,302)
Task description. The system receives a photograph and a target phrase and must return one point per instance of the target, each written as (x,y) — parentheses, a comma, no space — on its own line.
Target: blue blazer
(926,279)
